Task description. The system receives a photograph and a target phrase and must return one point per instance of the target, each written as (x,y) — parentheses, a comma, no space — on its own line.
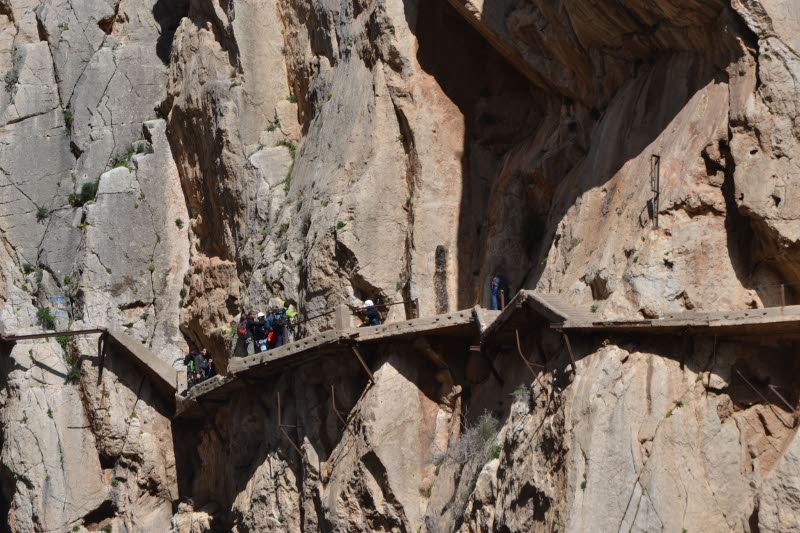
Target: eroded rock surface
(165,165)
(90,198)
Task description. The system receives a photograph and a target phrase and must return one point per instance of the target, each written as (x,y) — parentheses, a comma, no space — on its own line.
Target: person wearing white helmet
(261,332)
(371,314)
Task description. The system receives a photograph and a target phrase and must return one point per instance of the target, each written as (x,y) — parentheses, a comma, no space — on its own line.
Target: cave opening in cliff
(97,518)
(168,15)
(500,108)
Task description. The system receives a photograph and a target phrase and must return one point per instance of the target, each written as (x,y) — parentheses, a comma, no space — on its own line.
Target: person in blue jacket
(500,286)
(371,314)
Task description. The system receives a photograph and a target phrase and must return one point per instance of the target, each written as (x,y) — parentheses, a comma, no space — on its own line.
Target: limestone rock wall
(91,204)
(523,147)
(648,436)
(700,106)
(166,164)
(366,476)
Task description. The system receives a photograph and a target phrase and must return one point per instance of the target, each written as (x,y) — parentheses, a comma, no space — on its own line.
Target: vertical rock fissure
(412,176)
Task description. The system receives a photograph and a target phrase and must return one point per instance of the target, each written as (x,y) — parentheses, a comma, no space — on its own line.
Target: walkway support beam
(571,355)
(655,185)
(364,364)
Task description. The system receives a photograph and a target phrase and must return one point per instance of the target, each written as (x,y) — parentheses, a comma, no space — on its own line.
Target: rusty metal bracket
(525,359)
(338,414)
(528,363)
(769,404)
(281,426)
(363,364)
(774,390)
(569,349)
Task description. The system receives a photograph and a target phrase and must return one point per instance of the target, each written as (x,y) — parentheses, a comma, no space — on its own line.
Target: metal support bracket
(528,363)
(363,364)
(774,390)
(769,404)
(281,426)
(338,414)
(569,349)
(655,185)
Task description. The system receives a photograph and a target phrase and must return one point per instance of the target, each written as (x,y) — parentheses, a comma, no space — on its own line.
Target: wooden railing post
(342,319)
(783,296)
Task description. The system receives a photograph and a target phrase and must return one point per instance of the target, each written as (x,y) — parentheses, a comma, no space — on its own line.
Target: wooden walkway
(164,376)
(489,328)
(529,307)
(243,371)
(772,321)
(526,310)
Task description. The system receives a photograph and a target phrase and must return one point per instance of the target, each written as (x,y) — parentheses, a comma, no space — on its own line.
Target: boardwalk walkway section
(783,322)
(527,308)
(525,311)
(164,377)
(244,371)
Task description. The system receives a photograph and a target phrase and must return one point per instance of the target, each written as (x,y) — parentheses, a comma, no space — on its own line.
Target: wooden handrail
(51,334)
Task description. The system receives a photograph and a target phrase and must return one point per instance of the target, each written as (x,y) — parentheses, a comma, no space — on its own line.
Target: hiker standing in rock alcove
(500,291)
(371,315)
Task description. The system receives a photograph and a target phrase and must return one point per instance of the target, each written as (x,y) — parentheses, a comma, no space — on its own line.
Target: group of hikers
(261,332)
(199,366)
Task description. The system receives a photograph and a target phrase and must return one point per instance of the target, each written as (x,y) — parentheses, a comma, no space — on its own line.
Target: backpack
(242,328)
(260,330)
(279,319)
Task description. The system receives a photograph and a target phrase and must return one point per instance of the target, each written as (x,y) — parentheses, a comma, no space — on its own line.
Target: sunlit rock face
(165,165)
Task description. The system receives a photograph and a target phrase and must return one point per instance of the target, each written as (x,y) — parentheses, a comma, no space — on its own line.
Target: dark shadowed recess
(7,488)
(501,109)
(168,15)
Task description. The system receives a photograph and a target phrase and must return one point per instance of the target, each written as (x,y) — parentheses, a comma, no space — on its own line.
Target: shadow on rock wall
(531,154)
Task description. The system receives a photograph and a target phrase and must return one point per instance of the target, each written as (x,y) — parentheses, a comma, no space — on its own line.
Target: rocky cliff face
(166,164)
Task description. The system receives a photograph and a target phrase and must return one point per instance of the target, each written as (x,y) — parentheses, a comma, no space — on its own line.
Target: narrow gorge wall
(166,164)
(651,434)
